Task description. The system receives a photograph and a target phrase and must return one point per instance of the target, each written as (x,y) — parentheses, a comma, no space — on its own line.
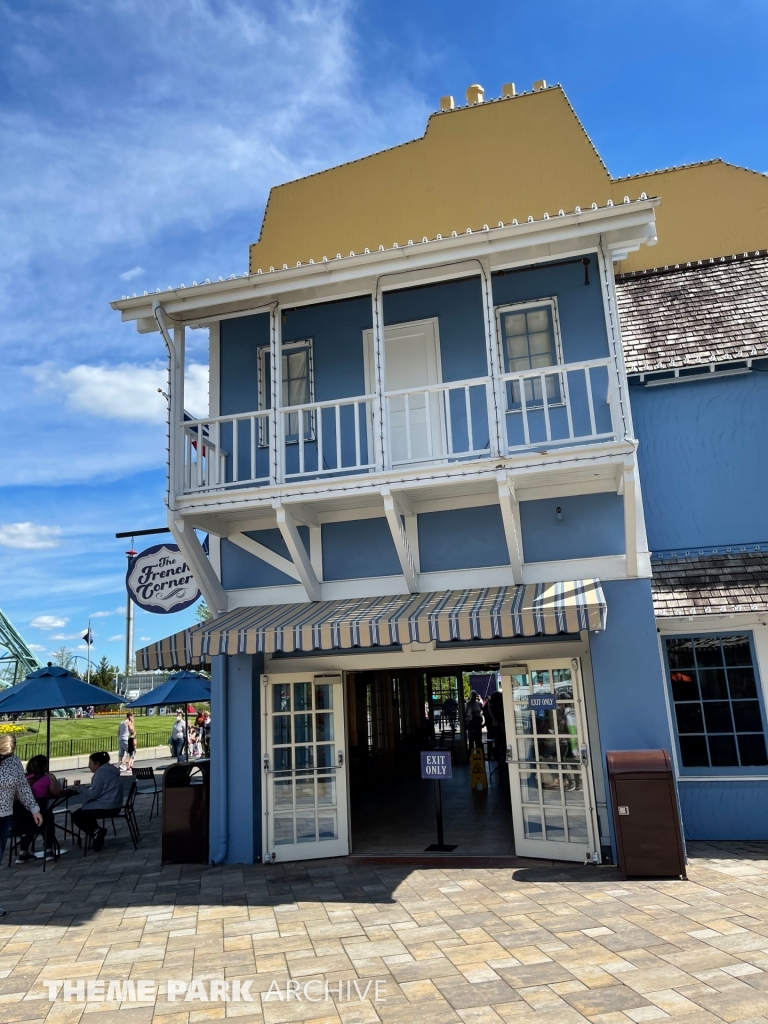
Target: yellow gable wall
(492,162)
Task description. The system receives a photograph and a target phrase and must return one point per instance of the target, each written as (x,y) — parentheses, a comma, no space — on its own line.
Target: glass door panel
(305,796)
(548,760)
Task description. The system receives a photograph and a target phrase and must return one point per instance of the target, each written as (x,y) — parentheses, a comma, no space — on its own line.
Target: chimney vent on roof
(475,94)
(541,84)
(508,89)
(446,102)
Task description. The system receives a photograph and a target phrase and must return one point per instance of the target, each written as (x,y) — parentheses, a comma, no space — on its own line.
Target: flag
(88,636)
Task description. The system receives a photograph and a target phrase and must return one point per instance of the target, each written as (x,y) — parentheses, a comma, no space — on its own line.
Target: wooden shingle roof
(713,311)
(710,584)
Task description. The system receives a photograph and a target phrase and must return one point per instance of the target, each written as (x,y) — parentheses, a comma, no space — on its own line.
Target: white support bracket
(286,523)
(394,510)
(509,519)
(253,547)
(207,580)
(630,517)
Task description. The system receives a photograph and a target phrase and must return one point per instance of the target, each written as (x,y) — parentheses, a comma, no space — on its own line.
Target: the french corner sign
(159,580)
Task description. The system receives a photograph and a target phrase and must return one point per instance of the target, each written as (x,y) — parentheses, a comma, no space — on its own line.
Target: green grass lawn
(87,728)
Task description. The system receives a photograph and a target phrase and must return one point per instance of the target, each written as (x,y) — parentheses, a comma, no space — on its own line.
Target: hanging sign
(159,580)
(436,765)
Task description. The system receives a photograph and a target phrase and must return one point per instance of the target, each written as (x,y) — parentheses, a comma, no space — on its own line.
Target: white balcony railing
(555,406)
(225,451)
(438,422)
(327,438)
(573,403)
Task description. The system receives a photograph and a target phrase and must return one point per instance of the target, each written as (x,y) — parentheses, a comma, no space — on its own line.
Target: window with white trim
(297,386)
(530,341)
(718,713)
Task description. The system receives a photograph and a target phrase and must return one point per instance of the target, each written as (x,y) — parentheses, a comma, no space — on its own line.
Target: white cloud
(143,638)
(36,647)
(106,615)
(126,391)
(114,639)
(48,622)
(29,536)
(130,274)
(65,636)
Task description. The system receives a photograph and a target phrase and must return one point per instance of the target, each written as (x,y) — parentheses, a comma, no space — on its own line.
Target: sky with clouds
(139,142)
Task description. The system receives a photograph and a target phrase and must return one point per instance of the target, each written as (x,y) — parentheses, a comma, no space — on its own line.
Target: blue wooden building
(466,432)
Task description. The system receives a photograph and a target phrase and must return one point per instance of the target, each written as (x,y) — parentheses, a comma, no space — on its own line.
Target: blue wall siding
(628,676)
(702,446)
(461,538)
(357,549)
(458,306)
(240,570)
(239,340)
(337,346)
(592,525)
(724,810)
(582,319)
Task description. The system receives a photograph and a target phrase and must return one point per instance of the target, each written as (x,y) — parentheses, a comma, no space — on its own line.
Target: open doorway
(394,715)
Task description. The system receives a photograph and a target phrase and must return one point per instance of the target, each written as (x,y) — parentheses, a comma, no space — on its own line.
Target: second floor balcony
(395,432)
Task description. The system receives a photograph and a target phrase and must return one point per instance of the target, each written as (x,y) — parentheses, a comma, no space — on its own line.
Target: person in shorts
(124,732)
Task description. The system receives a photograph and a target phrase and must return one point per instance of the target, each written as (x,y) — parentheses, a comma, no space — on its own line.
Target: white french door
(550,777)
(415,419)
(304,769)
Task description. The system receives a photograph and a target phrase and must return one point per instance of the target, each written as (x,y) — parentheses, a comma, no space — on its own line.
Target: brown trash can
(186,795)
(646,818)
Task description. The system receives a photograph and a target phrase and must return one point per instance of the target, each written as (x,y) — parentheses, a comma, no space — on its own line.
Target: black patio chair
(126,811)
(146,785)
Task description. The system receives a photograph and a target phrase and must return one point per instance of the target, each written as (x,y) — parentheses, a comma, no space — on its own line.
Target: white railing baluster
(253,447)
(356,408)
(448,419)
(300,425)
(319,439)
(590,403)
(545,400)
(235,450)
(338,437)
(524,410)
(428,409)
(468,407)
(567,396)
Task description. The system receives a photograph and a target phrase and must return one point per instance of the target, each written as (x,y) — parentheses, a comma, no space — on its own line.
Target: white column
(630,516)
(509,513)
(380,446)
(276,445)
(496,396)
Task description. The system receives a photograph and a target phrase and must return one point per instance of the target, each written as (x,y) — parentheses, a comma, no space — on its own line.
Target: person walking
(178,739)
(13,786)
(131,743)
(123,735)
(105,794)
(474,720)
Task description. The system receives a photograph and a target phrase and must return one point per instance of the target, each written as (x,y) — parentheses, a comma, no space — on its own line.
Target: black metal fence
(89,745)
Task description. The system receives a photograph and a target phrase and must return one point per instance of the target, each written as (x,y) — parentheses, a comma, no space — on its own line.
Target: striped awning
(488,613)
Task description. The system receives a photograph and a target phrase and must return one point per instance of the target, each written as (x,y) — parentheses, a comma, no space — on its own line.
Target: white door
(550,778)
(415,420)
(305,771)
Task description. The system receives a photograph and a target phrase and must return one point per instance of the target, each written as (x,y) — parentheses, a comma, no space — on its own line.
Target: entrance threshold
(452,860)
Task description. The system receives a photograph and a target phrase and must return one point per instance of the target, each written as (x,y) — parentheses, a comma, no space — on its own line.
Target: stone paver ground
(522,945)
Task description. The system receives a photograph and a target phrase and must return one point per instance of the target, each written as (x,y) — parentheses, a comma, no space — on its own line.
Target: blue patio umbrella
(180,688)
(49,688)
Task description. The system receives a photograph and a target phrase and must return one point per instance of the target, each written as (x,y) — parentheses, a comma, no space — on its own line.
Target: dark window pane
(746,716)
(737,650)
(680,653)
(689,718)
(752,750)
(722,751)
(717,715)
(712,683)
(708,652)
(741,682)
(684,686)
(693,750)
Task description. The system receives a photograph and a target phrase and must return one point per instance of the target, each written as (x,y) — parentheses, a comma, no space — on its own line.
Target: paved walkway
(522,945)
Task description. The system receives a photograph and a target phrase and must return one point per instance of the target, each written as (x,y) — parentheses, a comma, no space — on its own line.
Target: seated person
(104,799)
(44,788)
